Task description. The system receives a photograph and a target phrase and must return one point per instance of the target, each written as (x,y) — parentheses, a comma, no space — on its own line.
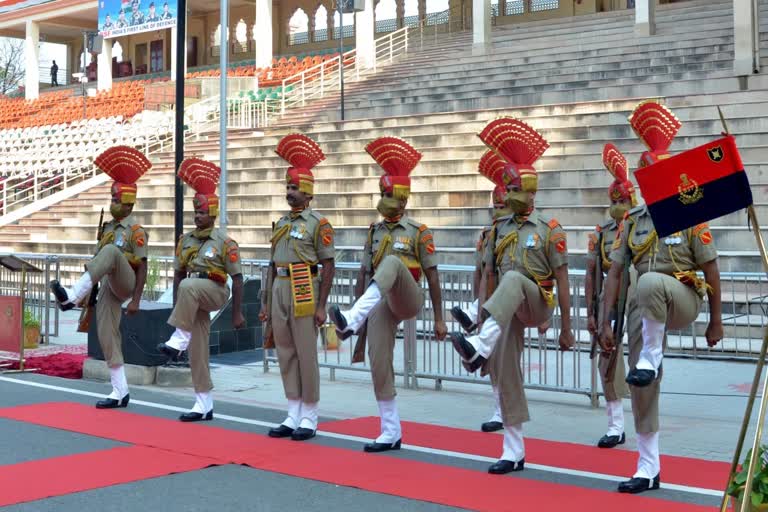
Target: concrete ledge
(173,377)
(95,369)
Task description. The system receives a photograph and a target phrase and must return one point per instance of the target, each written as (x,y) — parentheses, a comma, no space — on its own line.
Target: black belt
(285,270)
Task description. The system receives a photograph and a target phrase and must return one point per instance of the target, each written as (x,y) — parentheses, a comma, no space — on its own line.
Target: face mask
(117,211)
(497,213)
(517,202)
(388,207)
(618,210)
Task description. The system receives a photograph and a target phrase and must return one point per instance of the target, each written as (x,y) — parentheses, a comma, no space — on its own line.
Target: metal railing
(38,182)
(418,355)
(38,299)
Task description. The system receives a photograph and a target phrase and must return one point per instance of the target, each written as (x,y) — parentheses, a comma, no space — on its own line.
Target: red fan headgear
(616,164)
(302,153)
(125,165)
(656,126)
(203,177)
(492,167)
(520,145)
(398,159)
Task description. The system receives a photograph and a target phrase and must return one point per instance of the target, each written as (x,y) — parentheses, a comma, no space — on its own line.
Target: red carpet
(675,470)
(378,473)
(34,480)
(68,366)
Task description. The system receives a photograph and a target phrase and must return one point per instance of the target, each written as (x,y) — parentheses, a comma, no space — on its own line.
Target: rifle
(358,354)
(269,335)
(84,322)
(597,286)
(618,326)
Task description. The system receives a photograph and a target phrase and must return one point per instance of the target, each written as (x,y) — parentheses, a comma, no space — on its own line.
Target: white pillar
(481,26)
(104,67)
(746,40)
(645,17)
(364,36)
(263,32)
(32,61)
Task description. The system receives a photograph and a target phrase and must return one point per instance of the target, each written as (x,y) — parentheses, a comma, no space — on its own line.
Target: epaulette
(553,223)
(636,209)
(423,228)
(317,215)
(606,226)
(135,227)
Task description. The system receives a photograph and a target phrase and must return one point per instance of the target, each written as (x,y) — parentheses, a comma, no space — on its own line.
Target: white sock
(203,403)
(390,422)
(362,307)
(294,414)
(648,463)
(472,311)
(119,382)
(80,290)
(485,341)
(514,446)
(615,411)
(308,416)
(653,345)
(497,410)
(179,339)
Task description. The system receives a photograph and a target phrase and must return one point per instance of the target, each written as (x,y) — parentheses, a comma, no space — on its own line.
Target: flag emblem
(688,190)
(715,154)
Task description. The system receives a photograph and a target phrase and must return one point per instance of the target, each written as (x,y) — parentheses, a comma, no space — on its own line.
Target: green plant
(153,278)
(30,320)
(759,493)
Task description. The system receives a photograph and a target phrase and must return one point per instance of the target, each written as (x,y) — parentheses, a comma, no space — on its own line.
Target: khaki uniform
(122,248)
(207,260)
(616,388)
(395,254)
(307,239)
(659,294)
(490,367)
(526,255)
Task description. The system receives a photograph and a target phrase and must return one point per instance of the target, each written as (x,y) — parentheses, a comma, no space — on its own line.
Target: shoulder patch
(553,224)
(699,228)
(423,228)
(324,221)
(135,227)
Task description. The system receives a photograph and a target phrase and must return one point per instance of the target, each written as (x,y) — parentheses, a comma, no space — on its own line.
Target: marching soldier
(668,295)
(492,167)
(397,252)
(300,241)
(530,253)
(120,266)
(622,196)
(204,259)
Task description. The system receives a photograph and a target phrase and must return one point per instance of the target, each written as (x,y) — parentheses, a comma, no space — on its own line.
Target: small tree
(11,64)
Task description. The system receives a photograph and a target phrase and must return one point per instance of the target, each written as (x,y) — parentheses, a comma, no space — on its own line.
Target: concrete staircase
(575,80)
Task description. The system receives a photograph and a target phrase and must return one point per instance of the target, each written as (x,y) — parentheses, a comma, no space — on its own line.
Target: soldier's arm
(589,287)
(266,291)
(714,331)
(178,277)
(238,320)
(435,294)
(563,296)
(326,276)
(141,280)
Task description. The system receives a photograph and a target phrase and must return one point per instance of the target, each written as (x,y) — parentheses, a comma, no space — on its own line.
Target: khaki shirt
(535,248)
(609,230)
(306,239)
(129,237)
(216,254)
(410,241)
(683,251)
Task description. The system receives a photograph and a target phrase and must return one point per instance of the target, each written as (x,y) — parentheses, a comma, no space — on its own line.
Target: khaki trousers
(117,281)
(665,299)
(402,298)
(516,304)
(195,300)
(296,343)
